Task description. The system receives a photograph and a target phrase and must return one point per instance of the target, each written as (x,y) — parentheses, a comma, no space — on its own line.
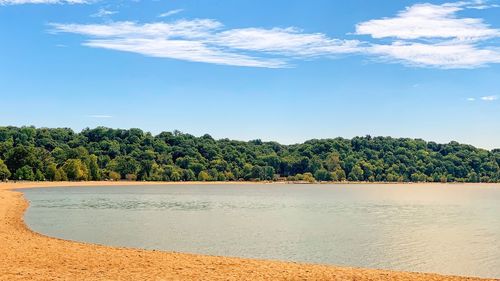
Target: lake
(448,229)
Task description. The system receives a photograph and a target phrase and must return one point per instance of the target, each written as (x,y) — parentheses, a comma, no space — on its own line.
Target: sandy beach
(26,255)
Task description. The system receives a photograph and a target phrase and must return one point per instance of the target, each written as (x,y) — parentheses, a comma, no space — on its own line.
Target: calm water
(445,229)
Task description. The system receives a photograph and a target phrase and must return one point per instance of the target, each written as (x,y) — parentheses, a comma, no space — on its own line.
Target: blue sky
(276,70)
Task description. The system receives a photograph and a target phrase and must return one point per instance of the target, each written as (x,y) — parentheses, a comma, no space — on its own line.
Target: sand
(26,255)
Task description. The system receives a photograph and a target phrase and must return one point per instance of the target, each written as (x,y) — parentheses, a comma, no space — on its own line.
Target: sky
(282,70)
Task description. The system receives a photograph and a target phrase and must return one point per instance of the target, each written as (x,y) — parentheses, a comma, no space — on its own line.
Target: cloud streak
(100,116)
(445,56)
(284,41)
(206,40)
(103,13)
(170,13)
(489,98)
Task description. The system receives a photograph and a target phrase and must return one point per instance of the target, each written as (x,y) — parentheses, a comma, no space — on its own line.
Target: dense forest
(60,154)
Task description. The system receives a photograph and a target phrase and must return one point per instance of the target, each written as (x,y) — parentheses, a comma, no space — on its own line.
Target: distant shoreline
(26,255)
(125,182)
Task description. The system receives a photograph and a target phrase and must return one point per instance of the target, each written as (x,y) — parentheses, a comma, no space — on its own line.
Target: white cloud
(445,56)
(100,116)
(285,41)
(204,40)
(471,99)
(428,21)
(478,4)
(489,98)
(20,2)
(429,35)
(483,7)
(103,13)
(170,13)
(183,50)
(196,28)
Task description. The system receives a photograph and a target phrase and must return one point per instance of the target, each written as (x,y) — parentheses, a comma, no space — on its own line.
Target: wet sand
(26,255)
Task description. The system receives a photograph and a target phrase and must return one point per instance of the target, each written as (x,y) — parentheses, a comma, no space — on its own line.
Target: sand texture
(26,255)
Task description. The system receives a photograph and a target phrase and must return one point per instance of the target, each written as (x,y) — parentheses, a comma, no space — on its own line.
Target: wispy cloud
(446,56)
(170,13)
(483,7)
(103,13)
(428,21)
(484,98)
(206,40)
(189,29)
(283,41)
(100,116)
(20,2)
(489,98)
(432,35)
(480,5)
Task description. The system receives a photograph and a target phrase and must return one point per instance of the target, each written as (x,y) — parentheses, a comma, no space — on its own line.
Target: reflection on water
(450,229)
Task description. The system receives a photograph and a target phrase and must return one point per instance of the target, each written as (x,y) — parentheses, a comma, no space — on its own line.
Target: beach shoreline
(27,255)
(38,184)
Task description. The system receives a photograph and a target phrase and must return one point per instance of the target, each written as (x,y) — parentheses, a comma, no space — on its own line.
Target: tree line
(60,154)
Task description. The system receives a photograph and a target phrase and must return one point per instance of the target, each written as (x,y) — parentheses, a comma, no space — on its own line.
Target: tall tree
(4,171)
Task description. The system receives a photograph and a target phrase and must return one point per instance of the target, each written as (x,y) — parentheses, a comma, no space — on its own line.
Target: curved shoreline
(27,255)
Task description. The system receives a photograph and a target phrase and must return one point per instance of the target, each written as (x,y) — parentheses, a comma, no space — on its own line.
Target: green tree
(93,167)
(4,171)
(124,165)
(114,176)
(39,176)
(229,176)
(338,174)
(332,162)
(25,173)
(268,173)
(322,175)
(127,165)
(248,171)
(188,175)
(50,172)
(393,177)
(196,168)
(75,170)
(309,177)
(356,173)
(221,176)
(59,155)
(156,173)
(60,175)
(418,177)
(175,176)
(203,176)
(257,173)
(21,156)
